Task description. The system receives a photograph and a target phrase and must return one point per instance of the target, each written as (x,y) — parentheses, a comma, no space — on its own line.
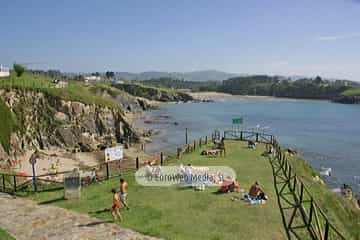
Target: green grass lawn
(351,92)
(5,236)
(178,213)
(74,91)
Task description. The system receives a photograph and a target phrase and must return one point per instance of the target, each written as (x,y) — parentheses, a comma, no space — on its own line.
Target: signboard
(114,153)
(237,121)
(72,185)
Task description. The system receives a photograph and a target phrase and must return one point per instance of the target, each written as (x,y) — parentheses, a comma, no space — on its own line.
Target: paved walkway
(25,219)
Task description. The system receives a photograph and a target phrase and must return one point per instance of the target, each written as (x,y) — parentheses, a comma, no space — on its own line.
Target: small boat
(325,171)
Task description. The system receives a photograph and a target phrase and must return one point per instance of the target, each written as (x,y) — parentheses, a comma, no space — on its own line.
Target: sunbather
(234,186)
(256,195)
(254,190)
(252,144)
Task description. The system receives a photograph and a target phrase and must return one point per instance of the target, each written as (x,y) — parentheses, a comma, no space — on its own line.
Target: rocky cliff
(45,121)
(152,93)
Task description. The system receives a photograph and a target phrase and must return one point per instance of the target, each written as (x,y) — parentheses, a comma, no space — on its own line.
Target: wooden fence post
(206,139)
(34,177)
(161,158)
(311,211)
(241,135)
(295,181)
(199,142)
(257,137)
(107,171)
(178,152)
(14,183)
(326,236)
(289,172)
(301,192)
(194,145)
(137,162)
(3,182)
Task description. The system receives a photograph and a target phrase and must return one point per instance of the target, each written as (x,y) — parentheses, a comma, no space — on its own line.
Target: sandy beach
(218,95)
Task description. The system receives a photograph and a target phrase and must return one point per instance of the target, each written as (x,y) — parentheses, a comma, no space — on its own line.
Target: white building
(4,72)
(92,78)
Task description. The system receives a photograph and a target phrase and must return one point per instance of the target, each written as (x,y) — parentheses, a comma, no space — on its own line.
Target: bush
(19,69)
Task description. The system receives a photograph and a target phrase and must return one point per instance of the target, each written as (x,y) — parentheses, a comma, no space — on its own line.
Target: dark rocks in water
(152,93)
(347,99)
(162,117)
(155,121)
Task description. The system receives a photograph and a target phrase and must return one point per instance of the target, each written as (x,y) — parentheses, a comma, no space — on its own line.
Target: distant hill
(207,75)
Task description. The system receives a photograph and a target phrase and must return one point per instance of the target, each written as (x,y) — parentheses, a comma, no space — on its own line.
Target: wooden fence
(15,184)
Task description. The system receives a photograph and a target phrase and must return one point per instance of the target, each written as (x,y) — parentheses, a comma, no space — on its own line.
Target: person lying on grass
(229,185)
(116,206)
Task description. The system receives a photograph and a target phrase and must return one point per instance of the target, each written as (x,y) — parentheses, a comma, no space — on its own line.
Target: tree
(109,74)
(318,80)
(19,69)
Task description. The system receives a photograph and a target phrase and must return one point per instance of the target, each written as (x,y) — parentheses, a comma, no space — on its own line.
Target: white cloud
(337,37)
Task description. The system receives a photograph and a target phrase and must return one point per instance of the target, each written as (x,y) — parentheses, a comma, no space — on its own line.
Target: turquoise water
(327,134)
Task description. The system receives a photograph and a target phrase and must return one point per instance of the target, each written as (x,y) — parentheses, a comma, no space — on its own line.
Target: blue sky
(303,37)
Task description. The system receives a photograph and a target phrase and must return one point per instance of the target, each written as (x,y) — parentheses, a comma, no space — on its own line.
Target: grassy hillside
(153,93)
(8,125)
(339,210)
(351,96)
(74,91)
(352,92)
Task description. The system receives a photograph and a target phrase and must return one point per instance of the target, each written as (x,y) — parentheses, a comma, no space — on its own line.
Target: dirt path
(25,219)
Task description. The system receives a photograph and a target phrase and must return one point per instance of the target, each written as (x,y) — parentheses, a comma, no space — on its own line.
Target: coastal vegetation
(183,84)
(340,211)
(157,93)
(5,236)
(72,91)
(264,85)
(19,69)
(351,96)
(8,125)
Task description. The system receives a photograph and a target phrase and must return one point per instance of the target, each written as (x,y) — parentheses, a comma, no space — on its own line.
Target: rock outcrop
(153,93)
(347,99)
(46,121)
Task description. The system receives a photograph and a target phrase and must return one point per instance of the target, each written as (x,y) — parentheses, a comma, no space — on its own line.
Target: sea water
(327,134)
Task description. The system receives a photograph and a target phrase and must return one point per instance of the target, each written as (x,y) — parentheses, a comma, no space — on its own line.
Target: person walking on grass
(123,192)
(116,206)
